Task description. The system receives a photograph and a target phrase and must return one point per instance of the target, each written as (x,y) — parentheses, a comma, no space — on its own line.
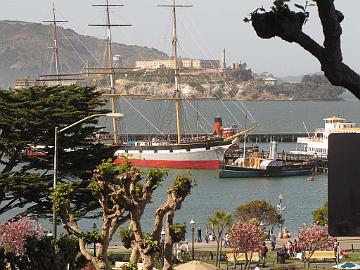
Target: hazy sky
(203,30)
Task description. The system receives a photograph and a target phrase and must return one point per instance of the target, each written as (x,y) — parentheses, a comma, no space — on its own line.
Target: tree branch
(331,29)
(287,25)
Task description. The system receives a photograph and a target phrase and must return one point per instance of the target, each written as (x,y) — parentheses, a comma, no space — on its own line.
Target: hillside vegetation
(25,51)
(233,84)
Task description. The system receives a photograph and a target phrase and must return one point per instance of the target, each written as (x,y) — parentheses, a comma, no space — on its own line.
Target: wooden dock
(251,138)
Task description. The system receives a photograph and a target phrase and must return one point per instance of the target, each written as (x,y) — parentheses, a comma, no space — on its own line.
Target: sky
(204,29)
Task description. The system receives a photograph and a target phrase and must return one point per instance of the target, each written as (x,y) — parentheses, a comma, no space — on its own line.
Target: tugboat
(258,166)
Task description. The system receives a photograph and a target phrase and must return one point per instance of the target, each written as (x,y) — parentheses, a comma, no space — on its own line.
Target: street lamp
(57,132)
(94,230)
(280,208)
(163,246)
(192,224)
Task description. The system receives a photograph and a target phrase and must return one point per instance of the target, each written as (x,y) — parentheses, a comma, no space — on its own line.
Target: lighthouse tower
(223,60)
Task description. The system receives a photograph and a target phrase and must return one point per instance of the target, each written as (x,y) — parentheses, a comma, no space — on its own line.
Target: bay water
(301,197)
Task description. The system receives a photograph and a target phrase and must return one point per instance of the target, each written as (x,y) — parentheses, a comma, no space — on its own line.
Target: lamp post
(94,230)
(192,224)
(56,145)
(280,209)
(163,246)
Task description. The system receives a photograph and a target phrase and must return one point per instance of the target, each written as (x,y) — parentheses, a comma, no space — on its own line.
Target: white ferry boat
(317,144)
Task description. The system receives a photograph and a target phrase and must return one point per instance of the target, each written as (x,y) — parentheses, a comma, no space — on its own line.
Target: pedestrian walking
(199,235)
(206,235)
(273,242)
(226,240)
(337,251)
(263,251)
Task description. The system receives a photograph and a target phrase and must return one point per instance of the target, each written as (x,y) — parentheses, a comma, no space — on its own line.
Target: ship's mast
(244,149)
(111,73)
(55,45)
(177,93)
(177,77)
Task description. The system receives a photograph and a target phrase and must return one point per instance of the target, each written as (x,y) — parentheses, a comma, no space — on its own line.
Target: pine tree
(29,117)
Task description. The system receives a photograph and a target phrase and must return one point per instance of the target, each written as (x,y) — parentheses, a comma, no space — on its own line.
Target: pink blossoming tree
(14,234)
(246,237)
(313,238)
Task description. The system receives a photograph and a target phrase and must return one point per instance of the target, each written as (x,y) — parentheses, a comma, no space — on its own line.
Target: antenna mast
(111,72)
(55,45)
(177,93)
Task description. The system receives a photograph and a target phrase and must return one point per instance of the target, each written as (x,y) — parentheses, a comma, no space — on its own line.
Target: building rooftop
(334,118)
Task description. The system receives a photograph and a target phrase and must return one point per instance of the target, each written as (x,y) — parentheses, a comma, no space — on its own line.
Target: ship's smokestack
(273,150)
(218,126)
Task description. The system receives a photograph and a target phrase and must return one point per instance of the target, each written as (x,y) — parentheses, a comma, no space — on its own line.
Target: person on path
(206,235)
(226,241)
(296,247)
(290,249)
(211,237)
(199,235)
(337,251)
(263,251)
(273,242)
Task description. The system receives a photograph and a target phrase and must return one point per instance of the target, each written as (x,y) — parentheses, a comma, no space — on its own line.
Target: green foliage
(196,84)
(108,170)
(311,87)
(126,237)
(260,210)
(65,250)
(130,266)
(28,117)
(219,221)
(321,215)
(183,184)
(178,232)
(150,243)
(156,177)
(92,237)
(61,196)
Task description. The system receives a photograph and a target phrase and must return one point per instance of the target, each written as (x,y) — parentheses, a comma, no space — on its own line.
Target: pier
(288,137)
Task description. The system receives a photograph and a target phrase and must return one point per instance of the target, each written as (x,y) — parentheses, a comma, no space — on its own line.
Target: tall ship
(183,152)
(317,144)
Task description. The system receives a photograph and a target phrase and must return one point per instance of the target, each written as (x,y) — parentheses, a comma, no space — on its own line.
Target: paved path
(346,243)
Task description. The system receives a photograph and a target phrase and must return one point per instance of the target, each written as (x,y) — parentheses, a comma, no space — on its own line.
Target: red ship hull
(174,164)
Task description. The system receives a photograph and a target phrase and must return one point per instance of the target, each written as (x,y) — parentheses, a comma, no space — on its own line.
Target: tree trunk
(220,249)
(167,256)
(168,244)
(217,250)
(148,262)
(135,254)
(100,264)
(248,260)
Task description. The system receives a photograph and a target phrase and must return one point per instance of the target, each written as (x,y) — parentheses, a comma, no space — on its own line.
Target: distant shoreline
(155,98)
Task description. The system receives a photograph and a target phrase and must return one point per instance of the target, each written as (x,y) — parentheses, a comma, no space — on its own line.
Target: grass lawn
(271,262)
